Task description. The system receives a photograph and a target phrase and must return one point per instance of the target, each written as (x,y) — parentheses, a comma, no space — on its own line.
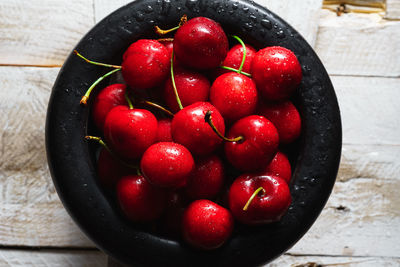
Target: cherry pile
(191,109)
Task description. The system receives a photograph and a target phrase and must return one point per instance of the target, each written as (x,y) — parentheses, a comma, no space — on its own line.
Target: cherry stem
(101,142)
(163,32)
(244,52)
(165,39)
(159,107)
(128,100)
(85,98)
(252,197)
(173,82)
(96,63)
(208,119)
(235,70)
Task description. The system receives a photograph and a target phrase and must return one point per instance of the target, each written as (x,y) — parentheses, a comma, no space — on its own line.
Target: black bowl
(72,159)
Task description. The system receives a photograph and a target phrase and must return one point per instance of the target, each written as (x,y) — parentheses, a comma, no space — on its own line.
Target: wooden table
(360,223)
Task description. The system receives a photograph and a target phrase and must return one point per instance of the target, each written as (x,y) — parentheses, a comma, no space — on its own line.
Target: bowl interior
(72,160)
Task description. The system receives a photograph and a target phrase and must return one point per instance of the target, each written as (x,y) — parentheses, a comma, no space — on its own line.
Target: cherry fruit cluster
(225,108)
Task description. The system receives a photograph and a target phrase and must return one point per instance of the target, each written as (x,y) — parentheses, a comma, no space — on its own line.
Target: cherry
(257,146)
(110,170)
(129,132)
(189,128)
(164,130)
(140,201)
(167,164)
(172,221)
(255,199)
(169,44)
(286,119)
(201,43)
(145,64)
(206,225)
(279,166)
(192,87)
(108,98)
(207,178)
(234,59)
(276,72)
(234,95)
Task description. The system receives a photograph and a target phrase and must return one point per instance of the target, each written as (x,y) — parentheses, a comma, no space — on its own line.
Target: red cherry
(110,170)
(108,98)
(207,178)
(164,130)
(167,164)
(191,86)
(268,205)
(234,59)
(172,221)
(258,146)
(279,166)
(190,129)
(201,43)
(276,72)
(129,132)
(145,64)
(286,119)
(206,225)
(234,95)
(169,44)
(140,201)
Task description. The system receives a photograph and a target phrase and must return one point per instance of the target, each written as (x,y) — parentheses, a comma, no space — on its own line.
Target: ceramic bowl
(72,159)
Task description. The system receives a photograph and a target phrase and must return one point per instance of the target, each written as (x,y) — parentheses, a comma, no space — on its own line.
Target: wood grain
(361,218)
(325,261)
(359,44)
(293,11)
(41,32)
(369,109)
(393,9)
(30,210)
(40,258)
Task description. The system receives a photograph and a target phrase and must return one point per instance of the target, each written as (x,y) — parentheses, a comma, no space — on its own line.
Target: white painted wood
(392,9)
(326,261)
(359,44)
(369,109)
(56,258)
(293,11)
(30,211)
(361,218)
(373,161)
(41,32)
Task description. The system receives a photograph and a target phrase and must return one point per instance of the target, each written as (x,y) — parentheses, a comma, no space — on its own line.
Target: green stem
(159,107)
(235,70)
(128,100)
(85,98)
(252,197)
(208,119)
(96,63)
(244,52)
(163,32)
(173,82)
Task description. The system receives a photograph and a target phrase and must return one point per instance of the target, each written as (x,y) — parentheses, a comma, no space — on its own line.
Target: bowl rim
(72,165)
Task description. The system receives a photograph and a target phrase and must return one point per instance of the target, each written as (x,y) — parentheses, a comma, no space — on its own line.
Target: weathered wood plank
(40,258)
(359,44)
(41,32)
(372,161)
(30,211)
(369,109)
(392,9)
(361,218)
(322,261)
(292,11)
